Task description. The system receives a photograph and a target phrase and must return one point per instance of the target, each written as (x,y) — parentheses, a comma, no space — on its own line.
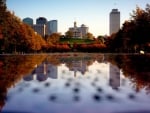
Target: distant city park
(22,36)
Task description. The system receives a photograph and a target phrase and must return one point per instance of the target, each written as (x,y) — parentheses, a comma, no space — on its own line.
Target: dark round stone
(99,89)
(131,96)
(67,84)
(110,97)
(97,97)
(52,98)
(76,98)
(36,90)
(47,84)
(76,90)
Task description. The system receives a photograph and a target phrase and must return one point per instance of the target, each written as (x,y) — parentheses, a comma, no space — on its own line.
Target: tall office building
(28,21)
(114,22)
(40,29)
(41,21)
(40,26)
(52,27)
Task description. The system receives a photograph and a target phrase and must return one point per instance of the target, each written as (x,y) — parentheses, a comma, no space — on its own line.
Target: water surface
(75,83)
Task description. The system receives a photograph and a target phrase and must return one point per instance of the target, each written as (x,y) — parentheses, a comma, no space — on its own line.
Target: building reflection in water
(80,66)
(47,70)
(114,76)
(43,72)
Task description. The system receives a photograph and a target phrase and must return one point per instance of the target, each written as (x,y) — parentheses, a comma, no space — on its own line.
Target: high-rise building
(41,20)
(42,26)
(40,29)
(114,22)
(28,21)
(52,27)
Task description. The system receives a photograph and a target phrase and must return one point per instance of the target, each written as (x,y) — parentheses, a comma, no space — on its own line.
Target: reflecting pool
(75,83)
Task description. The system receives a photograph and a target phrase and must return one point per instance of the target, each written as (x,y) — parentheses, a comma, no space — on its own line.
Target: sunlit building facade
(114,21)
(79,32)
(52,27)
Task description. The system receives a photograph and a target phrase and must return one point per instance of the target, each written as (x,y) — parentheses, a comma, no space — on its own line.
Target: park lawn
(77,41)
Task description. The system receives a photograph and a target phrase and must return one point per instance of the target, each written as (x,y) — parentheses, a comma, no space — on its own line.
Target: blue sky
(93,13)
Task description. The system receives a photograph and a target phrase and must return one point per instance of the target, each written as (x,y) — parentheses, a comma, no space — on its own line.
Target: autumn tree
(89,36)
(142,25)
(53,38)
(69,34)
(101,39)
(134,34)
(2,6)
(15,36)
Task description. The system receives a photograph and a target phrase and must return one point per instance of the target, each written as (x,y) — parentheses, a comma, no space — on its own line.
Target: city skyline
(94,13)
(42,26)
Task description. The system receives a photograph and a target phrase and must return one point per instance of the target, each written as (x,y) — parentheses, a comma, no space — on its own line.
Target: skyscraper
(40,29)
(114,21)
(40,26)
(28,21)
(41,21)
(52,27)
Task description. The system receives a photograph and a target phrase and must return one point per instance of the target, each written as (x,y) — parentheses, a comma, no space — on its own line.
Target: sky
(92,13)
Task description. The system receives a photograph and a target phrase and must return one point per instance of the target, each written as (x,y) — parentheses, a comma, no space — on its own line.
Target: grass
(77,41)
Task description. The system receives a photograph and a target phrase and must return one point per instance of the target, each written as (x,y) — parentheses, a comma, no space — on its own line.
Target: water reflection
(47,70)
(42,72)
(78,71)
(114,79)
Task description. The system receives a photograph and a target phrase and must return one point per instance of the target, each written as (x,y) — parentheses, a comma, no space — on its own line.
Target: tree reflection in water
(15,67)
(135,67)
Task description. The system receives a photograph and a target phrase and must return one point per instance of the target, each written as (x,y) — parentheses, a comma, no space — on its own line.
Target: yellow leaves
(53,38)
